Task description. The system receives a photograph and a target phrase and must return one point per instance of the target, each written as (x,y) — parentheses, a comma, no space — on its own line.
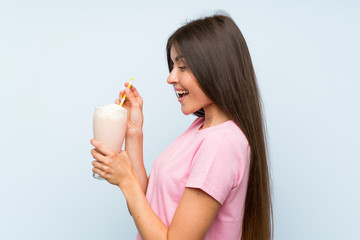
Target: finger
(98,171)
(133,90)
(98,156)
(126,104)
(100,166)
(121,94)
(130,97)
(102,148)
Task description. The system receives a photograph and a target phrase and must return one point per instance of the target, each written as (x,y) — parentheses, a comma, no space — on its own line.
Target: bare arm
(134,148)
(196,210)
(134,133)
(193,216)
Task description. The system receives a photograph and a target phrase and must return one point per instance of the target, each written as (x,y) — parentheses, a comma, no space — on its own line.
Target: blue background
(58,59)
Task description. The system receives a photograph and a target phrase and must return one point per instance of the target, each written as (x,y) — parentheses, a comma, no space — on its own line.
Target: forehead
(173,53)
(175,57)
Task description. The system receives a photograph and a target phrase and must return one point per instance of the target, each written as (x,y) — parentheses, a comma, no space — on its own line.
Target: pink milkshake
(109,126)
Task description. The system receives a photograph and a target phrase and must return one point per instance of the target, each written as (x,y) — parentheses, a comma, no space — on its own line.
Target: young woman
(212,182)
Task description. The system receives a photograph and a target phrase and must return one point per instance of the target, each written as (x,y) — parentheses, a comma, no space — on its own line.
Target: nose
(172,78)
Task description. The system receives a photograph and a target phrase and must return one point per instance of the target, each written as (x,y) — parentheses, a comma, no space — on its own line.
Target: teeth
(180,93)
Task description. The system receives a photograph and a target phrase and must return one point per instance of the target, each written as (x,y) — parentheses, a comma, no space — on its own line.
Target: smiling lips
(180,93)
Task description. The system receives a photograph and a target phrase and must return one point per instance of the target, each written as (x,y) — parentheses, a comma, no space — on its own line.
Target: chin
(186,112)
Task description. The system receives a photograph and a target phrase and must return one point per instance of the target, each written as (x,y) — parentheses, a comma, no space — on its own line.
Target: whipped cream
(110,111)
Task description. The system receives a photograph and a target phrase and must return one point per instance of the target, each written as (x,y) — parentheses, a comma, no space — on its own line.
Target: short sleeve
(217,167)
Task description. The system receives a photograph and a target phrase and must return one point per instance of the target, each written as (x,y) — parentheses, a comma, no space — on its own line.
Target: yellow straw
(123,99)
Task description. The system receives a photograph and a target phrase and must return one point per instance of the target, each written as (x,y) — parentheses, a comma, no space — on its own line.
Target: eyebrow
(178,57)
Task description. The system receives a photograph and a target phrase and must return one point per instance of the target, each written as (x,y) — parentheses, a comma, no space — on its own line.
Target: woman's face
(186,87)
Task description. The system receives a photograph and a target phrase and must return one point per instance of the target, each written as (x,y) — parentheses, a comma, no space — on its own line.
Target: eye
(182,68)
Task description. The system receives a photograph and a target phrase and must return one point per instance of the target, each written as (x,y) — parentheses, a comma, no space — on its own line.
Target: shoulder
(225,143)
(226,138)
(226,135)
(228,145)
(219,162)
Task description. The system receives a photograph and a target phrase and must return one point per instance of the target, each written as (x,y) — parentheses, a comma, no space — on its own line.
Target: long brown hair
(218,56)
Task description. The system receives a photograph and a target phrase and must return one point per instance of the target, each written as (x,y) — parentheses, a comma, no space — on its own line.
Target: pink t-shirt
(216,160)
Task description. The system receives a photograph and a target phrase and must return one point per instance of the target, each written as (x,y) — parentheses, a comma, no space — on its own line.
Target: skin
(197,209)
(181,77)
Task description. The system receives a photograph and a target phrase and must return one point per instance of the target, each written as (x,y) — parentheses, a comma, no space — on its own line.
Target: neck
(214,116)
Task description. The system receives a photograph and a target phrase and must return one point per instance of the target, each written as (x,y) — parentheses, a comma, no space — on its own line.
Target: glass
(109,126)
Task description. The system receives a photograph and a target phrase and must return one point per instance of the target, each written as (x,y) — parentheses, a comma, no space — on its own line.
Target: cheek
(202,98)
(196,102)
